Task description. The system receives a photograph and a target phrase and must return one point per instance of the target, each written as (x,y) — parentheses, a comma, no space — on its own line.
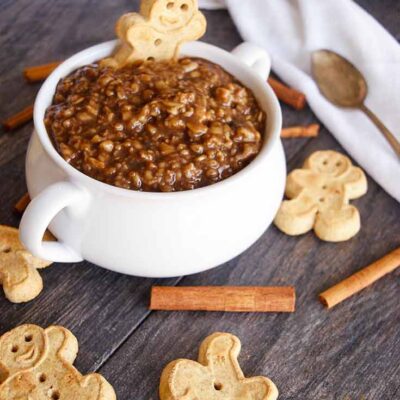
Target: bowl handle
(255,57)
(38,215)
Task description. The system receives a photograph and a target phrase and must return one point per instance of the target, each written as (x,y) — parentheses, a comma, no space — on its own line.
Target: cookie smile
(168,20)
(28,356)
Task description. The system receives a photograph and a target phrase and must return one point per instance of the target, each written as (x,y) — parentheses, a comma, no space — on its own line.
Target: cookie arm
(298,179)
(194,30)
(21,281)
(124,24)
(355,183)
(62,343)
(220,352)
(296,216)
(18,386)
(125,52)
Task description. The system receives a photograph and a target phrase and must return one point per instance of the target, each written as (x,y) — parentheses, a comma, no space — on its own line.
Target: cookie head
(328,162)
(173,14)
(22,347)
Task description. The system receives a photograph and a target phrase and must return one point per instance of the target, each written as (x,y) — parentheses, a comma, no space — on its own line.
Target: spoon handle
(385,131)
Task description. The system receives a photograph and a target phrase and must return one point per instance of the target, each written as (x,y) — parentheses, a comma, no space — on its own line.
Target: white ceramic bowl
(153,234)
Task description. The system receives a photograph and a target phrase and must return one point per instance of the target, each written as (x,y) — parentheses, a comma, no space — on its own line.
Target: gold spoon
(344,85)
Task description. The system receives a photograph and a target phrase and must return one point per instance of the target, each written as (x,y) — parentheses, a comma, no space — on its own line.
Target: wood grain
(349,353)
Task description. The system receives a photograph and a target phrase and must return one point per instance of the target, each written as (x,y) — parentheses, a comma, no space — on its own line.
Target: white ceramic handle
(38,215)
(255,57)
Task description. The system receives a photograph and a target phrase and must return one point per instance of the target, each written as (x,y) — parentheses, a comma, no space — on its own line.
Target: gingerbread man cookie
(36,364)
(217,375)
(18,268)
(320,193)
(157,32)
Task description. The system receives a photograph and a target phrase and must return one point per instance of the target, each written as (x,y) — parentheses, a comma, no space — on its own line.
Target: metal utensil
(344,85)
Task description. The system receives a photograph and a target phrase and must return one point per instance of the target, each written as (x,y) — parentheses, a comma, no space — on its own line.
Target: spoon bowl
(338,80)
(343,84)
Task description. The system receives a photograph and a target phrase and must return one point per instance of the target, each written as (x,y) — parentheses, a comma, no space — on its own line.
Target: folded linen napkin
(291,29)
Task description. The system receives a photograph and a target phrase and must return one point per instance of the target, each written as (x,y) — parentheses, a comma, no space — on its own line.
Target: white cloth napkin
(291,29)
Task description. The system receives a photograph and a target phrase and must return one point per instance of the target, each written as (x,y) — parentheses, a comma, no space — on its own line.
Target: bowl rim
(47,90)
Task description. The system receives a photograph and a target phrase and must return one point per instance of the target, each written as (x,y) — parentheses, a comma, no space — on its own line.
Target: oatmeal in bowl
(159,126)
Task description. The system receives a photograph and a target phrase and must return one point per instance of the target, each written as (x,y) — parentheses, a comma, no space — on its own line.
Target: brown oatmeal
(156,126)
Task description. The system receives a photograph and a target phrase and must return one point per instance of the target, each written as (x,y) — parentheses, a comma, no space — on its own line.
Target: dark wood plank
(313,353)
(349,352)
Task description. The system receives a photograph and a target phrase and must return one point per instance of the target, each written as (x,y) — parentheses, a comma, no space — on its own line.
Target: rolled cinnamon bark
(19,119)
(311,130)
(223,298)
(361,279)
(38,73)
(22,203)
(288,95)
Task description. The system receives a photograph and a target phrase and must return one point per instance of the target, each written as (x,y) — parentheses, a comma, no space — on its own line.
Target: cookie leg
(261,386)
(337,225)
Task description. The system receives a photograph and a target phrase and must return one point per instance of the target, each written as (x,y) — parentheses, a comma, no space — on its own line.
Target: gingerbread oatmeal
(156,126)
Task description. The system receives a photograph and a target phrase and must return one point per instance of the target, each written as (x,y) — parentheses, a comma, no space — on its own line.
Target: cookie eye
(325,162)
(42,378)
(14,349)
(28,338)
(339,163)
(217,385)
(170,5)
(157,42)
(6,250)
(184,7)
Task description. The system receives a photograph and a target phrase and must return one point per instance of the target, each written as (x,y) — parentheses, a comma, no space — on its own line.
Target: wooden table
(350,352)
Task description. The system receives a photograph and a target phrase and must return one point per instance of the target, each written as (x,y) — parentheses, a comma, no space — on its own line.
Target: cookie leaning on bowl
(36,363)
(216,376)
(319,196)
(157,32)
(18,268)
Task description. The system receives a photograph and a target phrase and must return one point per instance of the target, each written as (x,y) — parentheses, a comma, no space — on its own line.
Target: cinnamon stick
(288,95)
(361,279)
(22,203)
(39,72)
(223,298)
(311,130)
(18,119)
